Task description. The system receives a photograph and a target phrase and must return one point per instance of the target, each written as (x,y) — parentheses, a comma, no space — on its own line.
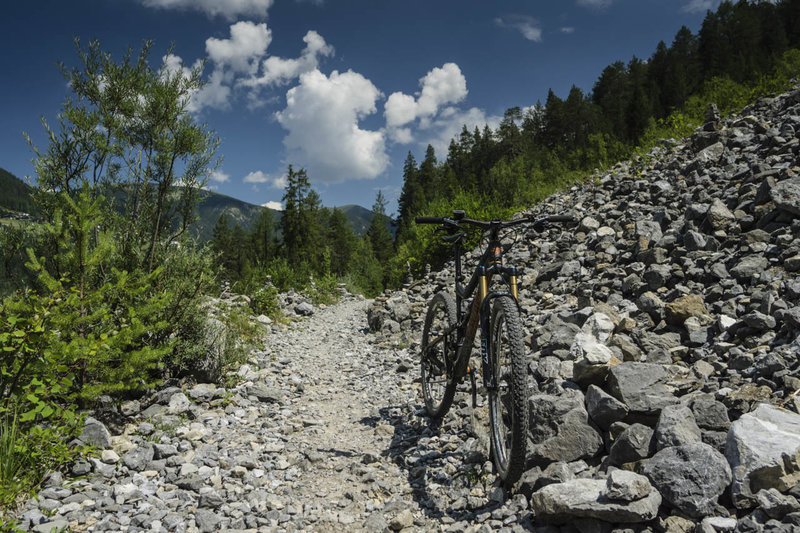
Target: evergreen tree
(380,238)
(299,223)
(341,242)
(409,196)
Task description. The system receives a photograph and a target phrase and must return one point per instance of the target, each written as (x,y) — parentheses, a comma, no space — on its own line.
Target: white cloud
(322,117)
(259,177)
(242,51)
(567,29)
(529,27)
(449,123)
(219,176)
(595,4)
(277,206)
(229,9)
(280,71)
(700,6)
(440,86)
(215,93)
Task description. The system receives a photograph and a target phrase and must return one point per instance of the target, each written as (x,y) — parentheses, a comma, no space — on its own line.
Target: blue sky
(343,88)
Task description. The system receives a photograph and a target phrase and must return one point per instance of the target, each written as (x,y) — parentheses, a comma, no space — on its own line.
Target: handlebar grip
(560,218)
(428,220)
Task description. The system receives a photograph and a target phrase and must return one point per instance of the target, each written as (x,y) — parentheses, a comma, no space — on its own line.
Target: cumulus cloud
(595,4)
(229,9)
(241,52)
(439,87)
(449,123)
(214,94)
(567,29)
(529,27)
(280,71)
(277,206)
(219,176)
(700,6)
(259,178)
(322,118)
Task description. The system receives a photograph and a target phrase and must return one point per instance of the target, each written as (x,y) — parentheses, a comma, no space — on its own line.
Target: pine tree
(380,237)
(299,223)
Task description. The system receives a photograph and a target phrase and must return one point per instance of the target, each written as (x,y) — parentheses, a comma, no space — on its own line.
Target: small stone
(626,486)
(676,426)
(401,520)
(109,457)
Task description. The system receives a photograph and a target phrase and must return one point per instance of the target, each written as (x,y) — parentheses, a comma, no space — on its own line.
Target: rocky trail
(324,432)
(663,334)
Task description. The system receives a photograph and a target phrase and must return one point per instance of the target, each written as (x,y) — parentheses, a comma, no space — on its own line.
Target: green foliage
(126,127)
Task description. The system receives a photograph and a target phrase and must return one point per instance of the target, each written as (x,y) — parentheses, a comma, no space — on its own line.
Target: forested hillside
(742,50)
(16,194)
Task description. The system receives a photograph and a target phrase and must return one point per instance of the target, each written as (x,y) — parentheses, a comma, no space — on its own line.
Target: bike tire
(508,404)
(438,387)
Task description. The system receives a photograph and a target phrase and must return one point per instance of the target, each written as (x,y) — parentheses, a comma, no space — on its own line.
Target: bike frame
(490,264)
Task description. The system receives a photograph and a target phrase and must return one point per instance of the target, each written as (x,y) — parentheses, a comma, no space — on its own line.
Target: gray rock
(693,241)
(758,320)
(130,408)
(53,525)
(627,486)
(207,521)
(95,434)
(775,504)
(266,393)
(641,387)
(676,426)
(603,408)
(718,215)
(585,498)
(749,267)
(178,404)
(559,429)
(786,195)
(203,392)
(710,414)
(762,449)
(633,444)
(304,309)
(690,477)
(138,458)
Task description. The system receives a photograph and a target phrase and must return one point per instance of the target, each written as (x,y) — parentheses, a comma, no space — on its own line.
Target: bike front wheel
(438,355)
(508,401)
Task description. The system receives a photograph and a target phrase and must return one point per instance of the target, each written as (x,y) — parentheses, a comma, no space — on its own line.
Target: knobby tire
(438,387)
(508,404)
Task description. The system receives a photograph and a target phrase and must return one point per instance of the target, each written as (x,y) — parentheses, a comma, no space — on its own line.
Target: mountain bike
(449,332)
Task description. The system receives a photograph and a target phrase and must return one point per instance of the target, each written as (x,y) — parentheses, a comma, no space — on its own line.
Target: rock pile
(663,335)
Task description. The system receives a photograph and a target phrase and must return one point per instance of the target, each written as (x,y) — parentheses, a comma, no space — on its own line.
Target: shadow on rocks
(441,473)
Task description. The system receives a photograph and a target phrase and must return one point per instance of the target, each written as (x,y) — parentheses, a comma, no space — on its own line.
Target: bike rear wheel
(508,402)
(439,355)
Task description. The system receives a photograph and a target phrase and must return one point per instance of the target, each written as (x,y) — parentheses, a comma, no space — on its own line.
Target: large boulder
(690,477)
(641,387)
(560,430)
(595,498)
(762,449)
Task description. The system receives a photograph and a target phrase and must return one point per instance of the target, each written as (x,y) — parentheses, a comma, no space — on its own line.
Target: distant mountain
(15,195)
(245,214)
(360,218)
(213,204)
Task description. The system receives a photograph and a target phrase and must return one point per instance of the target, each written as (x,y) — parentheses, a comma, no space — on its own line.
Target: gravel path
(324,432)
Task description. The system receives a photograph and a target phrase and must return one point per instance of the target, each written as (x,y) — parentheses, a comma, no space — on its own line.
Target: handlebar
(498,224)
